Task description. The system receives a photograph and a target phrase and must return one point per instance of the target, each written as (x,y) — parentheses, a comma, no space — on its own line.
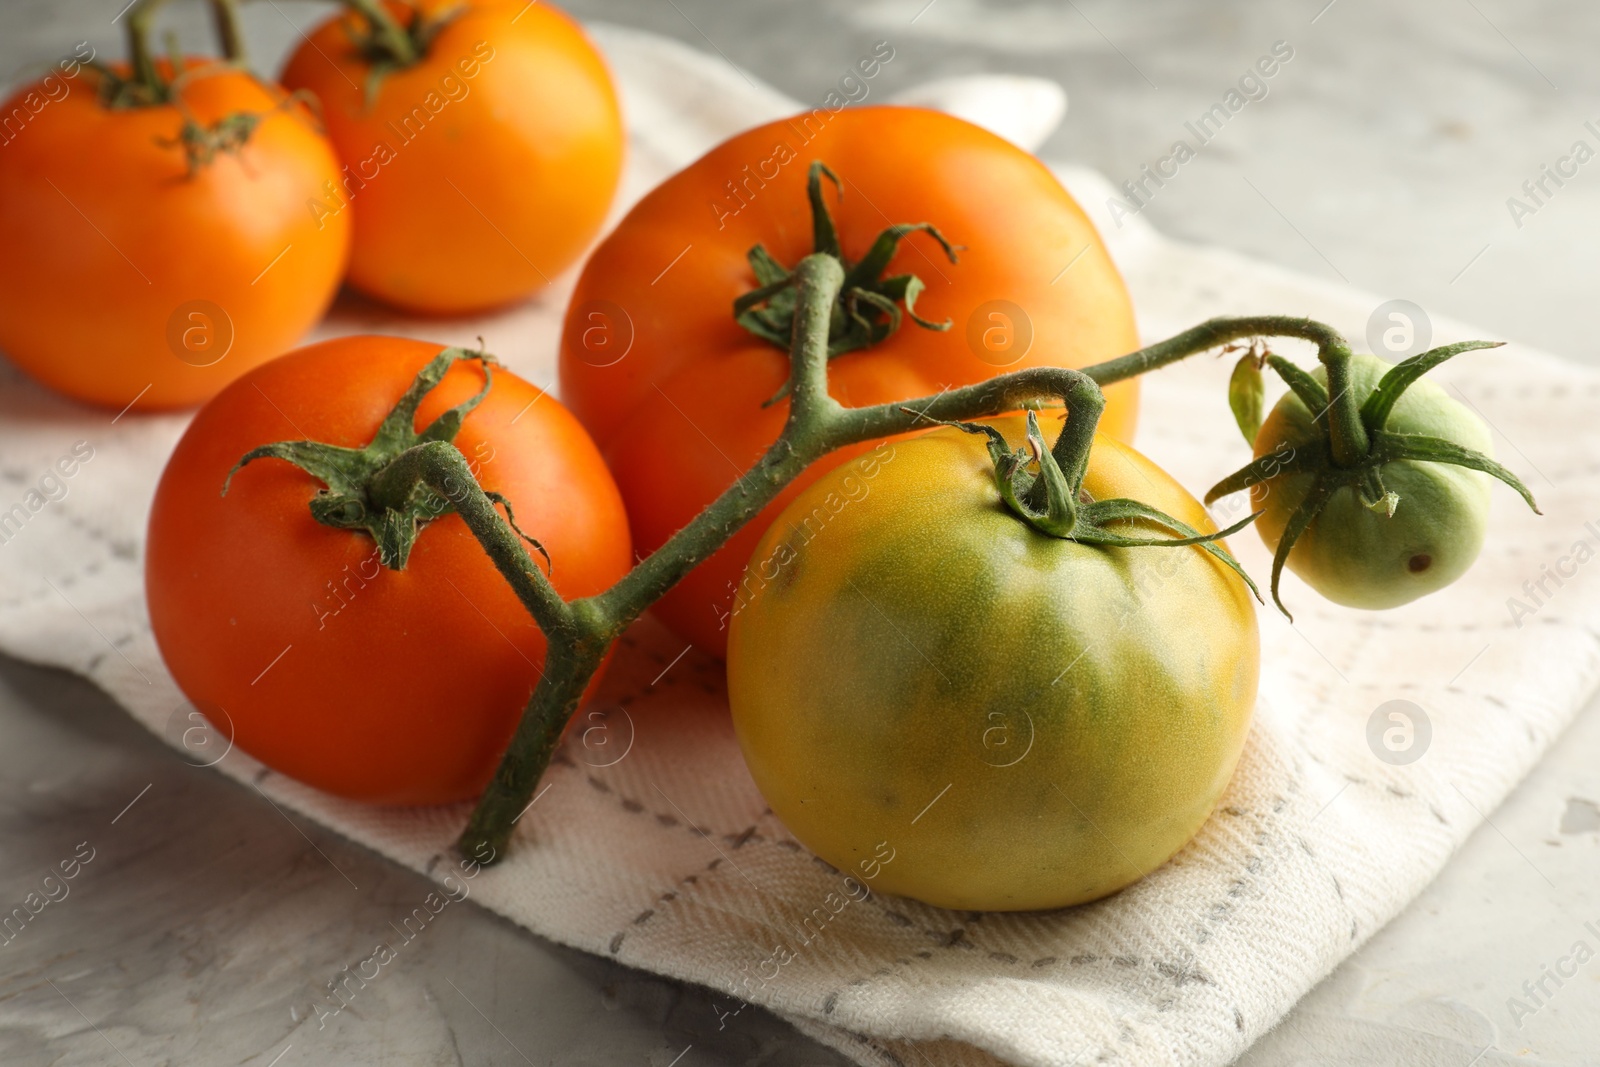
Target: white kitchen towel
(667,859)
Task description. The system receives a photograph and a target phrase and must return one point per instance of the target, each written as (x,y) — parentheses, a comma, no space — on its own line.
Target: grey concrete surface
(1384,155)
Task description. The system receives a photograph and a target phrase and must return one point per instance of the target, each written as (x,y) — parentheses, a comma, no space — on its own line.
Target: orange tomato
(130,276)
(478,173)
(672,388)
(393,686)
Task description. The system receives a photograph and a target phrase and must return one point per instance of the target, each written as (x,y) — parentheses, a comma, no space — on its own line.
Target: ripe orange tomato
(672,388)
(478,173)
(399,687)
(130,276)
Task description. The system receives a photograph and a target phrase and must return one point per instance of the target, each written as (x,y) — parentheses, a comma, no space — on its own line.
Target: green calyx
(389,45)
(867,310)
(202,142)
(1044,488)
(1356,443)
(118,91)
(357,495)
(145,85)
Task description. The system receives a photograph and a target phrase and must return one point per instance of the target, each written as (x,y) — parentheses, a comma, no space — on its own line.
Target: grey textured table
(1383,155)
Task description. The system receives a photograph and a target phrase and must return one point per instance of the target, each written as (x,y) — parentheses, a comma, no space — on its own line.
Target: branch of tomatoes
(582,631)
(1358,423)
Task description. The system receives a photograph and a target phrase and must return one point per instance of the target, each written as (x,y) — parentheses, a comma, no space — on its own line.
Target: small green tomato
(1363,557)
(1397,521)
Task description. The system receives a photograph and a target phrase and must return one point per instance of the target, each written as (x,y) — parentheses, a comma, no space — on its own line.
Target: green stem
(1213,333)
(575,645)
(819,278)
(1347,436)
(1085,402)
(141,61)
(813,416)
(225,15)
(568,670)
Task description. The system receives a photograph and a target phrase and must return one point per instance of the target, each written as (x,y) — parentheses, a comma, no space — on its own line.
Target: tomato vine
(382,488)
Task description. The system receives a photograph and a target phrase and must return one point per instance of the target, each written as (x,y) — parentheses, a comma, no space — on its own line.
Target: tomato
(1017,721)
(395,686)
(1363,558)
(673,389)
(134,276)
(481,171)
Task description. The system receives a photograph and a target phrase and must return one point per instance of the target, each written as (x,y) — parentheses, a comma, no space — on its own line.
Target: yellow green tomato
(1365,558)
(1017,721)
